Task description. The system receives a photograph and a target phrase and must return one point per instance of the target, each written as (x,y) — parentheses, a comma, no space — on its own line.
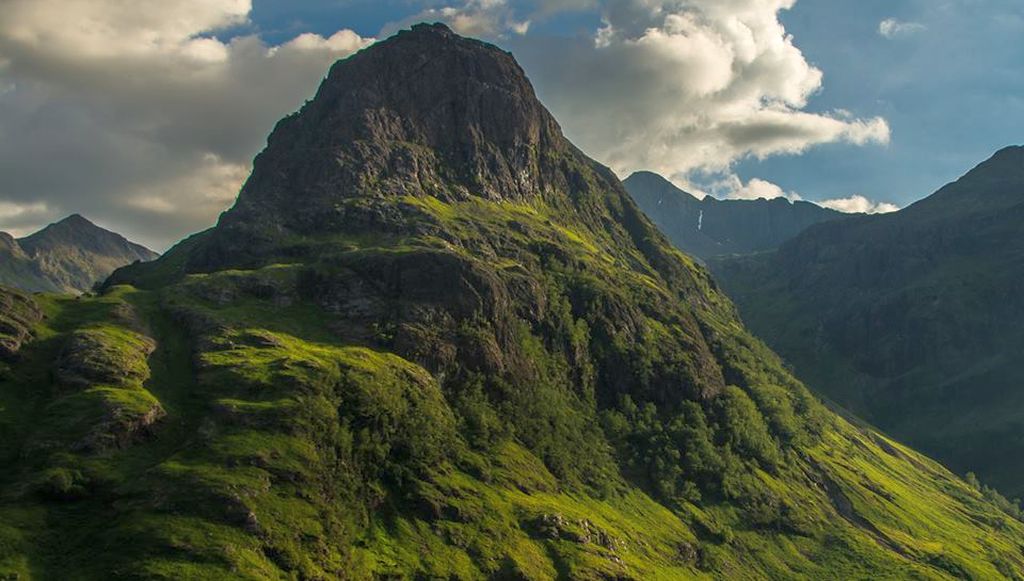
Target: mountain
(432,339)
(70,256)
(911,320)
(706,228)
(18,269)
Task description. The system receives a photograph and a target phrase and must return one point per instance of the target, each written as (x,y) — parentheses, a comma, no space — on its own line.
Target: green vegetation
(300,439)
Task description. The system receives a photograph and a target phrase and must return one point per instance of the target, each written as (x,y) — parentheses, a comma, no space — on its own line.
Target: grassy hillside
(281,447)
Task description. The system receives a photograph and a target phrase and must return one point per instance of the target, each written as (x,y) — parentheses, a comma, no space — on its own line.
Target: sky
(145,116)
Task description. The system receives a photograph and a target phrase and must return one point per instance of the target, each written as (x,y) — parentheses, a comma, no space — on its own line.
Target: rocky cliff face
(709,227)
(398,143)
(431,114)
(9,246)
(434,340)
(18,270)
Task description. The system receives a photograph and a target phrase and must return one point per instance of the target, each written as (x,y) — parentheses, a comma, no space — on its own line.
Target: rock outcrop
(19,313)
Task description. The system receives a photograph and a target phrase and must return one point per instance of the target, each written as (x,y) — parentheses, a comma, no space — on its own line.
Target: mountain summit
(1007,164)
(425,113)
(68,256)
(434,340)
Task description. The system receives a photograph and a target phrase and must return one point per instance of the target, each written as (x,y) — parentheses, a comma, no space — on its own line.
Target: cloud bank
(733,188)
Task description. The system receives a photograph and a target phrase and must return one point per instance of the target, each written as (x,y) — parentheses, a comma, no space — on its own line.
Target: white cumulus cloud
(858,204)
(21,219)
(733,188)
(480,18)
(681,85)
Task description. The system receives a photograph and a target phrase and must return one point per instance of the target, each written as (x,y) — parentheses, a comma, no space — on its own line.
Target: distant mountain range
(69,256)
(709,227)
(912,320)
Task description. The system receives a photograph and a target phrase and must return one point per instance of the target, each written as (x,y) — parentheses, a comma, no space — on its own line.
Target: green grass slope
(285,448)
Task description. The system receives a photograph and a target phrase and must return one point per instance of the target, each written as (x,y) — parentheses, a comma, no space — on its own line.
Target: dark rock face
(9,246)
(68,256)
(708,228)
(920,312)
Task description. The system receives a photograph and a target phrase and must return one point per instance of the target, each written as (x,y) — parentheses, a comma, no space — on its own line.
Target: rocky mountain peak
(650,182)
(709,227)
(70,255)
(78,233)
(77,220)
(425,112)
(375,302)
(73,225)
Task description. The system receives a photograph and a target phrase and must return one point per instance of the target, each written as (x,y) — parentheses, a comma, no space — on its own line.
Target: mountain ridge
(709,227)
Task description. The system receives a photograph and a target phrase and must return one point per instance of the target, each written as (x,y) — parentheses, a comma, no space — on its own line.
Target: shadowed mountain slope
(912,320)
(710,227)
